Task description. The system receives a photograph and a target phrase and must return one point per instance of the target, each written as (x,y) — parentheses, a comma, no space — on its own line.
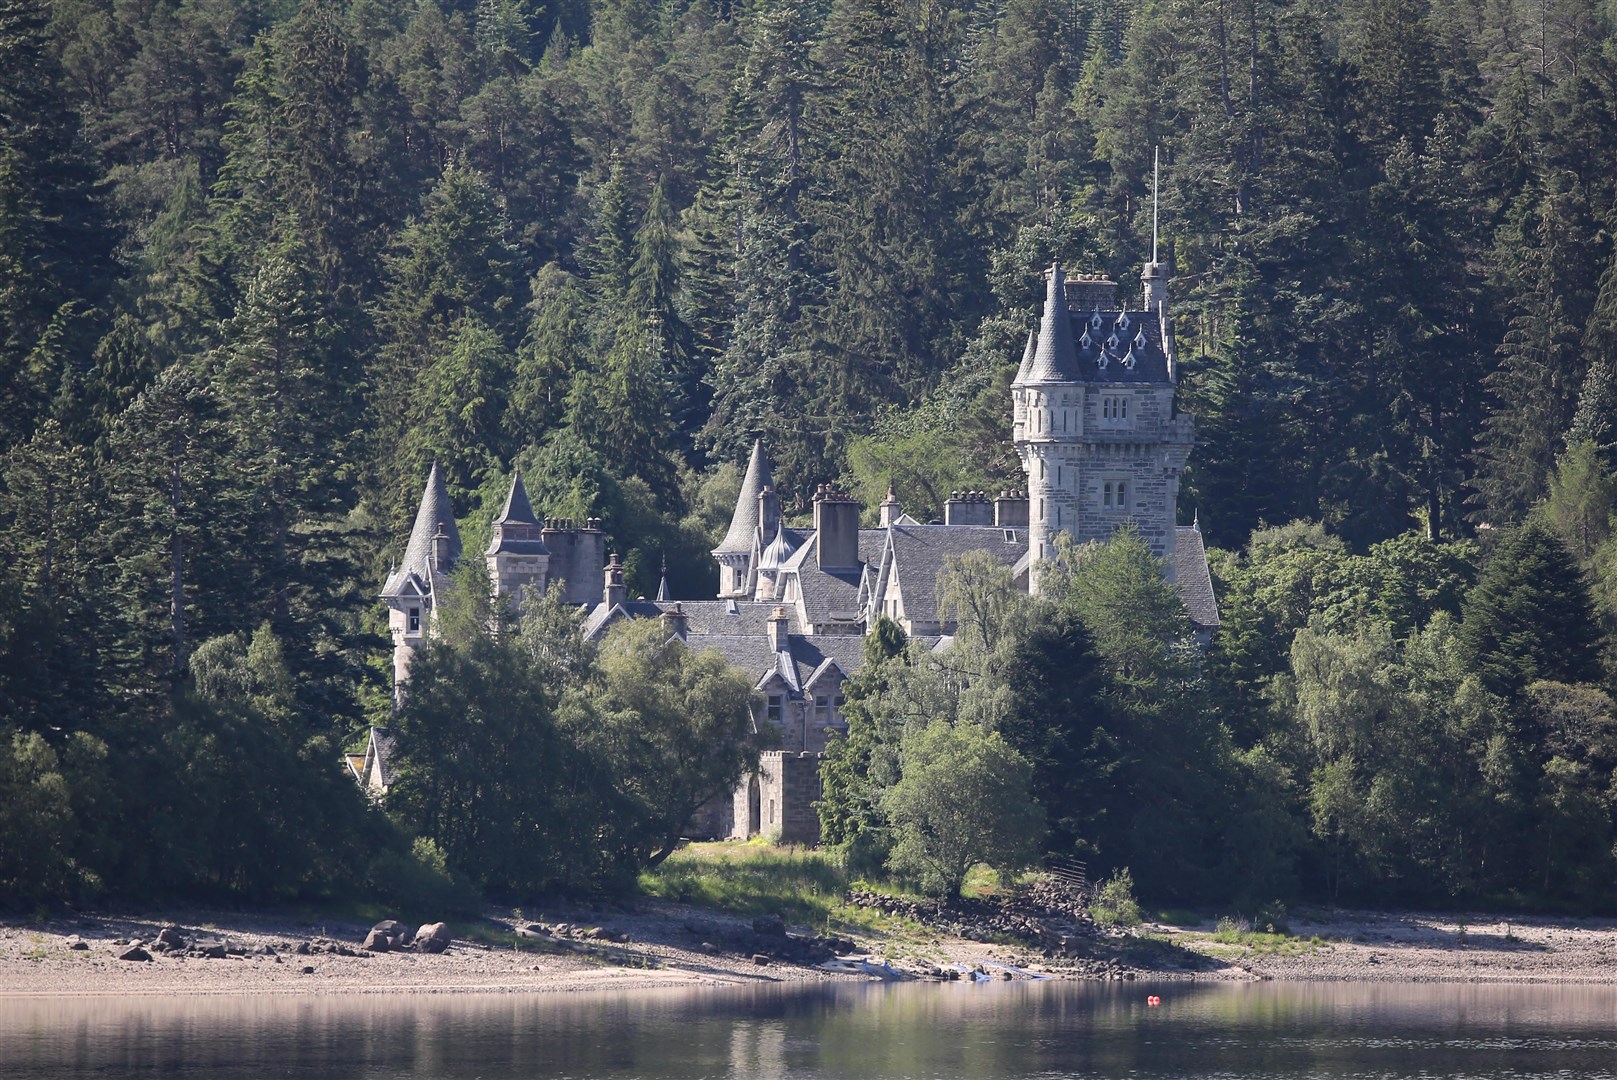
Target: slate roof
(1105,352)
(807,655)
(518,509)
(1114,346)
(516,531)
(1054,357)
(380,747)
(744,522)
(728,617)
(779,550)
(596,623)
(834,595)
(920,551)
(1027,357)
(1192,577)
(435,509)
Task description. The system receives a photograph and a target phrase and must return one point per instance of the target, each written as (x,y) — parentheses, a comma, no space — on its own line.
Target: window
(827,709)
(415,620)
(1115,495)
(776,709)
(1114,409)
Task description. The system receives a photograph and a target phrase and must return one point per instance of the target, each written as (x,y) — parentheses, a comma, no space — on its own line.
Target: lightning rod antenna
(1156,164)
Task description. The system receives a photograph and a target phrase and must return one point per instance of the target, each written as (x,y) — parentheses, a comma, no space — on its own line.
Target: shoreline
(656,945)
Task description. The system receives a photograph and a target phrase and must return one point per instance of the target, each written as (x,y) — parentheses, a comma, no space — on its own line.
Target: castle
(1101,441)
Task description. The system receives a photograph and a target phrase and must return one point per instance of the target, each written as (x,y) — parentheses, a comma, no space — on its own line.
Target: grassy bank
(804,886)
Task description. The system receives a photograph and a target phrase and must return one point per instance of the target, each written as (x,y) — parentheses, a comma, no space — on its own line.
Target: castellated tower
(1094,418)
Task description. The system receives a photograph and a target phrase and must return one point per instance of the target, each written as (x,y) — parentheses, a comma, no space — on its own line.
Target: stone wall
(788,788)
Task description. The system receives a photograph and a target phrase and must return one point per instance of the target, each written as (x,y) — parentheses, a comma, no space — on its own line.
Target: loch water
(1023,1029)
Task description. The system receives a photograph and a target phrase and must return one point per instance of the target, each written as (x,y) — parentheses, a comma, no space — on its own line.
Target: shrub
(1114,903)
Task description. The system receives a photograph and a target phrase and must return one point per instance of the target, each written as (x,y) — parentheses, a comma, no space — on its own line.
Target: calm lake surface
(1044,1030)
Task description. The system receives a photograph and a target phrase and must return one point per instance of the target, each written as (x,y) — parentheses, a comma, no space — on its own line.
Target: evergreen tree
(1530,616)
(55,243)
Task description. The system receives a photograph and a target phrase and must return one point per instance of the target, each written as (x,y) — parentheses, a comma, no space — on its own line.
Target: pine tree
(1530,616)
(55,243)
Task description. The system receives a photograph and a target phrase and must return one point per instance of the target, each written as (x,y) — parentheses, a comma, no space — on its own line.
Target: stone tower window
(1114,408)
(1115,495)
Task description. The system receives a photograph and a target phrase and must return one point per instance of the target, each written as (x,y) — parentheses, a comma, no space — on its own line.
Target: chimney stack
(1090,292)
(613,592)
(441,555)
(777,630)
(768,516)
(836,529)
(675,621)
(890,509)
(968,508)
(1010,509)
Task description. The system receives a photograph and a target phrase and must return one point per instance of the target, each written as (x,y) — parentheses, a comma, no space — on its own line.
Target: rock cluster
(390,935)
(172,941)
(1050,920)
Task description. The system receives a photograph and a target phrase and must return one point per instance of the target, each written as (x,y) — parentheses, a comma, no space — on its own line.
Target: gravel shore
(1455,947)
(663,945)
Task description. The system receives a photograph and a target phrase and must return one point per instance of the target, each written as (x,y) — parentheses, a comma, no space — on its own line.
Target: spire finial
(1156,164)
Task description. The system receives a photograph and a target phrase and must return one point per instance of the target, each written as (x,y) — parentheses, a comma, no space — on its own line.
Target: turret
(411,589)
(745,537)
(770,562)
(1049,397)
(517,556)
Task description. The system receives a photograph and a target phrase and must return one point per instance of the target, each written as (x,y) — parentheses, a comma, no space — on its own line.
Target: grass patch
(1239,937)
(1178,917)
(805,887)
(800,885)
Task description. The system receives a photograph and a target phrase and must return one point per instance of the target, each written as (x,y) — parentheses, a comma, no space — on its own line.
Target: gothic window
(415,620)
(1115,495)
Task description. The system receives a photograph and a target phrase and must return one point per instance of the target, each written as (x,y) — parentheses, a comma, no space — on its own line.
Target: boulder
(432,938)
(397,933)
(378,941)
(134,952)
(79,945)
(769,926)
(170,938)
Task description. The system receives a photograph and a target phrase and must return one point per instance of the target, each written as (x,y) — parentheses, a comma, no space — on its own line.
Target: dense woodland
(261,263)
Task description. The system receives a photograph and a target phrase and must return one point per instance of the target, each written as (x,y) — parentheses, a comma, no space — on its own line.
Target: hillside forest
(262,262)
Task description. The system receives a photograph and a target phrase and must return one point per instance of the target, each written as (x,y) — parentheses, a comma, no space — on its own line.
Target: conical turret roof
(518,510)
(1055,359)
(435,512)
(744,523)
(1027,356)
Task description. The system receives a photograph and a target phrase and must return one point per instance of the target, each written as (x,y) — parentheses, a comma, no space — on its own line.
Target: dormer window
(414,616)
(775,709)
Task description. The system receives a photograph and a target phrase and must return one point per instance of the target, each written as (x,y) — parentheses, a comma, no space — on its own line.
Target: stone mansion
(1101,441)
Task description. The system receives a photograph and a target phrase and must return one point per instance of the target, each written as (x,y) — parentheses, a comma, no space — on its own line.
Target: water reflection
(1045,1030)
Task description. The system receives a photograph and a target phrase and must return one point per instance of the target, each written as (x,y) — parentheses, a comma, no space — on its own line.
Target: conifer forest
(263,262)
